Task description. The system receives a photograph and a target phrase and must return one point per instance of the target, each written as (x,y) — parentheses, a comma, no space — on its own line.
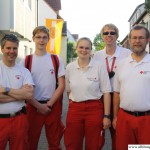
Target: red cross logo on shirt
(141,72)
(18,77)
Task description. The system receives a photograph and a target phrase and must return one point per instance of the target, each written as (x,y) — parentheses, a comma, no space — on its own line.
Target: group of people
(106,91)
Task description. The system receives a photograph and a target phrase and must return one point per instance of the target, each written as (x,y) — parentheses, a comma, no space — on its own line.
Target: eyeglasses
(40,37)
(111,33)
(139,38)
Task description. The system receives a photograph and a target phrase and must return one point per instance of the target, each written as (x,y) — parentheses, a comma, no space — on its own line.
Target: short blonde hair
(110,26)
(84,38)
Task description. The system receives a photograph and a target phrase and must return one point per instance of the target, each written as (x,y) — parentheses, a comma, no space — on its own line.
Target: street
(43,142)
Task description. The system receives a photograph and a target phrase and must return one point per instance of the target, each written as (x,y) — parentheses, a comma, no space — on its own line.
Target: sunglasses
(111,33)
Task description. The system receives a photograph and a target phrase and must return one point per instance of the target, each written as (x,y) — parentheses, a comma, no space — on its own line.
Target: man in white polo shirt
(15,87)
(131,86)
(111,55)
(47,113)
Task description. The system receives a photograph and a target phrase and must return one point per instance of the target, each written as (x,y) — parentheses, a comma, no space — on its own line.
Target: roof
(55,4)
(137,8)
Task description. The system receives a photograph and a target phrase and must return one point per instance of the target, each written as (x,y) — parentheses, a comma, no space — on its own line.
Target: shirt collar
(116,54)
(89,65)
(145,59)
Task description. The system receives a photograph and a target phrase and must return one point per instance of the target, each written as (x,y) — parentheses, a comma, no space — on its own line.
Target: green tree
(71,53)
(98,42)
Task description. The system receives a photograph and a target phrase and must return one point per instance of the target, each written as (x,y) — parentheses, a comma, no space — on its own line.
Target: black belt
(23,110)
(138,113)
(43,101)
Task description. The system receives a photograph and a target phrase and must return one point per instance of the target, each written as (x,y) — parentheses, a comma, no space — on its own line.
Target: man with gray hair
(131,93)
(16,86)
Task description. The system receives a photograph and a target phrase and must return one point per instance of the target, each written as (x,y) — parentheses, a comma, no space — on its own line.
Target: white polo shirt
(132,80)
(43,75)
(13,77)
(120,54)
(87,83)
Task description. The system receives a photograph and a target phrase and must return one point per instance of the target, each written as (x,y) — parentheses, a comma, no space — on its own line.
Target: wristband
(107,116)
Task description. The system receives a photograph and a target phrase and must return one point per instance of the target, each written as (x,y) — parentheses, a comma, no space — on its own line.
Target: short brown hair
(41,29)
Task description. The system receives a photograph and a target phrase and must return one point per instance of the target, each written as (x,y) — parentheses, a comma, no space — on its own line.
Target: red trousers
(131,130)
(84,120)
(53,127)
(15,131)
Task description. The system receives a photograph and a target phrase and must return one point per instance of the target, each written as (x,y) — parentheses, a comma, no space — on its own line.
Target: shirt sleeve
(116,81)
(67,79)
(61,70)
(27,77)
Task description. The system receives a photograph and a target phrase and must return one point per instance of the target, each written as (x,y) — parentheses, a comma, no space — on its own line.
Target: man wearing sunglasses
(110,56)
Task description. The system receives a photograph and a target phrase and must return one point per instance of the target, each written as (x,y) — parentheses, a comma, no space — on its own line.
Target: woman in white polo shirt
(86,81)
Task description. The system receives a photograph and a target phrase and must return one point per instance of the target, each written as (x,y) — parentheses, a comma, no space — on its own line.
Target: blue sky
(86,17)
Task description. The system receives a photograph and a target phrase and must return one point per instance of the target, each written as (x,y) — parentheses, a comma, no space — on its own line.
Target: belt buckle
(13,114)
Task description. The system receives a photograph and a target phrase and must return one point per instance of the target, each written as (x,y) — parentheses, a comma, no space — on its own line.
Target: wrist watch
(7,90)
(107,116)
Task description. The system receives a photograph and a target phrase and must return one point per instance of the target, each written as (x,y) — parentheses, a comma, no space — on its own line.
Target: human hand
(44,109)
(106,123)
(49,104)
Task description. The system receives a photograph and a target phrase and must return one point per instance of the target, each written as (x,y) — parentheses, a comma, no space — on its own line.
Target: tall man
(111,55)
(16,86)
(131,86)
(46,94)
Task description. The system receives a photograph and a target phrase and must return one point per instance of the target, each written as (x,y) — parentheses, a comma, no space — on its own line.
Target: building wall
(139,16)
(63,52)
(45,11)
(6,14)
(19,17)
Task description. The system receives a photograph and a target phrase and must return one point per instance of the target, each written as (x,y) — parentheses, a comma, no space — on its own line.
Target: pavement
(43,142)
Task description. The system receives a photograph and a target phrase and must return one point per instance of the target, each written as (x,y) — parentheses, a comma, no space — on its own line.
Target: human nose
(137,39)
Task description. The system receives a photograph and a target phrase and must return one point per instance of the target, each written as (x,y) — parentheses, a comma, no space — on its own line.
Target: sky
(87,17)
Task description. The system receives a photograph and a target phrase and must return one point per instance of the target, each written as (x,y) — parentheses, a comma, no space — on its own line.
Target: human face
(84,49)
(138,41)
(10,53)
(109,39)
(41,40)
